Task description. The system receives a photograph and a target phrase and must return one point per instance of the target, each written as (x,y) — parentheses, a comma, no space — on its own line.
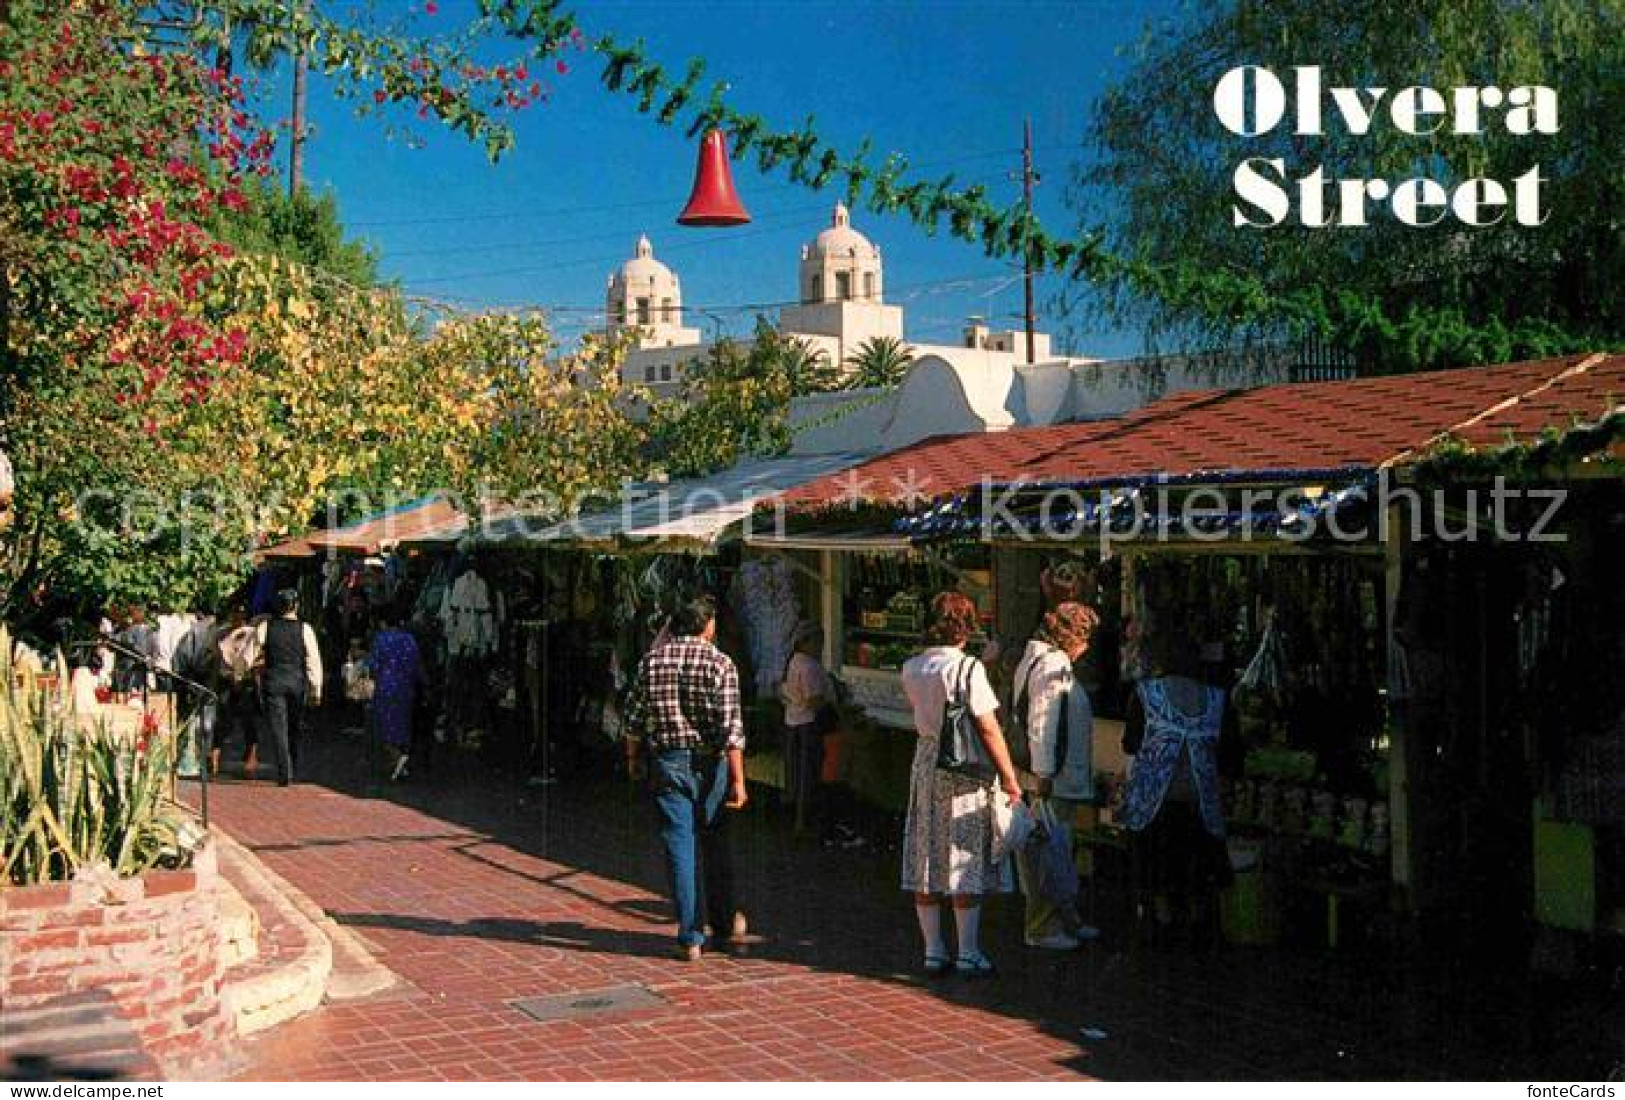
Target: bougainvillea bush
(168,399)
(115,334)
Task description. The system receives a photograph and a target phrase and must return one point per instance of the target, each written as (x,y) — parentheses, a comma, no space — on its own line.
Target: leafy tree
(732,404)
(1158,176)
(301,227)
(547,432)
(165,399)
(880,362)
(446,75)
(809,368)
(113,334)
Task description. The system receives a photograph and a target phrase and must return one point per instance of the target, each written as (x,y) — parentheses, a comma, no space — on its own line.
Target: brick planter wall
(155,949)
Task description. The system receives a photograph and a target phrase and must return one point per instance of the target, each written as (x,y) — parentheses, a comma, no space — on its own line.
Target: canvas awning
(430,515)
(695,514)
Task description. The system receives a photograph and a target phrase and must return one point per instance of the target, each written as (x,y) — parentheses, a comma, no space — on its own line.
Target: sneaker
(690,952)
(974,966)
(935,965)
(1055,941)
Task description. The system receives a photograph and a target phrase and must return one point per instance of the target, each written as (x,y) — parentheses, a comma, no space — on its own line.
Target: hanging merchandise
(471,618)
(432,598)
(763,596)
(1266,672)
(470,615)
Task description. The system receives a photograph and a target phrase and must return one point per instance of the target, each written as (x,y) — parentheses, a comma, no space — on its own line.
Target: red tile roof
(371,535)
(1364,423)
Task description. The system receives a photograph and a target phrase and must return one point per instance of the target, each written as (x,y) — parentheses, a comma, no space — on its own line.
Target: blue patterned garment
(1170,733)
(397,670)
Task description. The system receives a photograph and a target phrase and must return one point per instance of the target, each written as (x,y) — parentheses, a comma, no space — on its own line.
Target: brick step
(81,1036)
(302,957)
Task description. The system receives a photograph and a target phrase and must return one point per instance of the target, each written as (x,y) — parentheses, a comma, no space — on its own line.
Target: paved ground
(479,892)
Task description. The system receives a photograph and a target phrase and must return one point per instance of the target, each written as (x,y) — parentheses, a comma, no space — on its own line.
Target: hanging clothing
(471,617)
(763,596)
(1177,748)
(433,597)
(397,672)
(172,630)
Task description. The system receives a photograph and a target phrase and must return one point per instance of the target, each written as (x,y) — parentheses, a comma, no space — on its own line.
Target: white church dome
(643,267)
(840,239)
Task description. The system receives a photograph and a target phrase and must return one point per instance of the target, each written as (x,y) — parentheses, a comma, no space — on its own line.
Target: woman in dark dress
(397,674)
(1171,804)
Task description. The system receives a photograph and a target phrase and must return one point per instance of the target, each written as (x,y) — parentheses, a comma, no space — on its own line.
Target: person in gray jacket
(1058,720)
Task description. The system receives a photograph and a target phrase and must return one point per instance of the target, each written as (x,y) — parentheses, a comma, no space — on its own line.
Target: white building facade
(841,305)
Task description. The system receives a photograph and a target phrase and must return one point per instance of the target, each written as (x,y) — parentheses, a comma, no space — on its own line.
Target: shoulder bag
(959,743)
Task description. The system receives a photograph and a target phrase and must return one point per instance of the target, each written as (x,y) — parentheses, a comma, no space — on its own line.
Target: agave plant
(74,795)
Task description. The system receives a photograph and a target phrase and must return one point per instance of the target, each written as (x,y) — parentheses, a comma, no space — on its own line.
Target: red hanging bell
(713,202)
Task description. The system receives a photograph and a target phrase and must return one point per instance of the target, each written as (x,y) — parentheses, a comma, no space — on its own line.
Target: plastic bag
(1057,874)
(1013,826)
(1266,672)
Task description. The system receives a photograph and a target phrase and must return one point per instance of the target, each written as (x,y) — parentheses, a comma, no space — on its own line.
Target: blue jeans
(693,824)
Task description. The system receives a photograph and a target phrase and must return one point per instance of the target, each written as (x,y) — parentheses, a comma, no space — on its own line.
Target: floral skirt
(948,837)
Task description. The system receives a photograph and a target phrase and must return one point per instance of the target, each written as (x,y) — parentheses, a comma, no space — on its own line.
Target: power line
(800,221)
(617,234)
(588,314)
(532,212)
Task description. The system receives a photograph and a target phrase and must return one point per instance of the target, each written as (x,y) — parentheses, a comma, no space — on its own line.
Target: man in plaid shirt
(683,721)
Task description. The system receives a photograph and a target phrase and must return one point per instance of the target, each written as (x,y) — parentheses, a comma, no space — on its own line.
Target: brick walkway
(479,892)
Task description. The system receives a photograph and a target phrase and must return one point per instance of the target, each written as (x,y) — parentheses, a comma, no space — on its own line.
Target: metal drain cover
(589,1002)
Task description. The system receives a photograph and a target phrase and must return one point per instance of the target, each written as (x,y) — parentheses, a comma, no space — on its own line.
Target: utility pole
(7,380)
(296,147)
(1028,178)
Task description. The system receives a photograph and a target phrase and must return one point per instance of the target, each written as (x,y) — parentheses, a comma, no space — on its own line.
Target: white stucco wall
(1114,387)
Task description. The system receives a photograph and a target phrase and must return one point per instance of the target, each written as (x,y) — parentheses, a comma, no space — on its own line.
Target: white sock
(969,923)
(930,915)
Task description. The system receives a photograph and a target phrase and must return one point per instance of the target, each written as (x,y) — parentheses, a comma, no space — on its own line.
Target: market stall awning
(430,515)
(689,514)
(1330,433)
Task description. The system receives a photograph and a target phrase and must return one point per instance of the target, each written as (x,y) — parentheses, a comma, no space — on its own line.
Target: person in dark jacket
(290,680)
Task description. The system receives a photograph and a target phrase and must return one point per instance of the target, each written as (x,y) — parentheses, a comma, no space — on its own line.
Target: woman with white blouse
(949,843)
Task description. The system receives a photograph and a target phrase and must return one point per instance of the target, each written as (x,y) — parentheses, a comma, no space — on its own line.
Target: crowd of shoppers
(969,833)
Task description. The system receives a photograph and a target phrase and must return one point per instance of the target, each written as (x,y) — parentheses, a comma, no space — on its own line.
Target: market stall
(1260,524)
(583,599)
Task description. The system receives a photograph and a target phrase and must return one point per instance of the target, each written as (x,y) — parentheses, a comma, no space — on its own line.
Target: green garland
(1239,300)
(1454,460)
(427,72)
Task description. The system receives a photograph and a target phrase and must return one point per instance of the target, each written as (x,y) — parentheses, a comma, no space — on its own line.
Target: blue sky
(946,82)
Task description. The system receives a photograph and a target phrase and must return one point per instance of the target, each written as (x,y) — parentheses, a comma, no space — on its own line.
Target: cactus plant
(74,795)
